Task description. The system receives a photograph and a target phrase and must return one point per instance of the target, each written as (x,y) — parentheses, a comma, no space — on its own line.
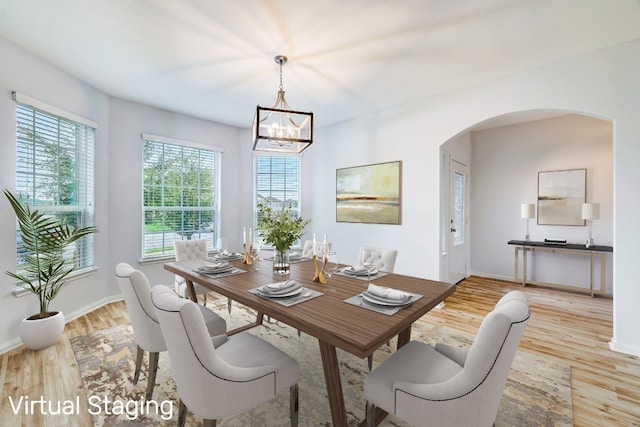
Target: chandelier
(280,129)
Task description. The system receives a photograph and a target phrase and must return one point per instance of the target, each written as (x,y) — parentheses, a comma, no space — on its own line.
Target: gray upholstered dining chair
(186,250)
(382,259)
(307,248)
(223,377)
(451,386)
(136,290)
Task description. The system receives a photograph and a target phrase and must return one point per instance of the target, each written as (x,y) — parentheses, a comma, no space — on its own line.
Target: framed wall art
(560,197)
(369,194)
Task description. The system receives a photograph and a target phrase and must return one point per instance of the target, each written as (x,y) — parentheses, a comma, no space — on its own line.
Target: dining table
(326,316)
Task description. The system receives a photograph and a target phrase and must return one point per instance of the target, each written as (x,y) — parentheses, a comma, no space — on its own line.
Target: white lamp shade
(527,210)
(591,211)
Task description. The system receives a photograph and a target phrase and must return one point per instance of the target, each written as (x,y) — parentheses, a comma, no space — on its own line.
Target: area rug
(538,391)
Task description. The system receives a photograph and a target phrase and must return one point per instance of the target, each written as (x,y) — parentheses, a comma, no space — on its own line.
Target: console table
(568,249)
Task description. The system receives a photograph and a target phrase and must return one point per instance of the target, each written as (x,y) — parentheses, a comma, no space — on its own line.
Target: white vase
(38,334)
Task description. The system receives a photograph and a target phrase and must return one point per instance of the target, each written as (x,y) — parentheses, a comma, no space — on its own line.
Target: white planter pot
(41,333)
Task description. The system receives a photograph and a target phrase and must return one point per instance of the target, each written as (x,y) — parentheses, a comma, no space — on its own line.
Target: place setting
(287,293)
(383,300)
(218,269)
(225,255)
(361,272)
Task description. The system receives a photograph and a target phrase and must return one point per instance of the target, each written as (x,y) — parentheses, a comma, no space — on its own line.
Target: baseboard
(624,348)
(491,276)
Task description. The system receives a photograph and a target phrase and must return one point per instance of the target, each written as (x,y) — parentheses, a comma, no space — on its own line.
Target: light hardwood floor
(567,326)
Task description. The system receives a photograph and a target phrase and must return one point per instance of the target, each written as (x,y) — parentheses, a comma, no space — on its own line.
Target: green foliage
(280,228)
(178,188)
(44,240)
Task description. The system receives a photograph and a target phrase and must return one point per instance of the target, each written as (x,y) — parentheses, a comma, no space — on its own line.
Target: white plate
(288,294)
(392,303)
(216,270)
(361,273)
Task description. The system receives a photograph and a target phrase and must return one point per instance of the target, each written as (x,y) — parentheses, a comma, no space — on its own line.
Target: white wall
(603,84)
(506,162)
(127,121)
(37,79)
(118,181)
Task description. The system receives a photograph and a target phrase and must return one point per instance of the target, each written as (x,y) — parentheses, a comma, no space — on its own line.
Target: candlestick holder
(247,255)
(319,276)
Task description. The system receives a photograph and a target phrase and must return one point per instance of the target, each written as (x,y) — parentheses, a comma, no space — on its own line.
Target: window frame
(298,179)
(167,251)
(39,128)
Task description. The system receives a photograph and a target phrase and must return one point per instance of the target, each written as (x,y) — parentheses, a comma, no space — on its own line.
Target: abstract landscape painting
(560,197)
(369,194)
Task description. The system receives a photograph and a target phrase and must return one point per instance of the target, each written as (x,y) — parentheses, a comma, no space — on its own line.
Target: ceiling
(347,58)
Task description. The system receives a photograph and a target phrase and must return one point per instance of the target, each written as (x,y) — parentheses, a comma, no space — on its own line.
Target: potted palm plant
(281,230)
(44,240)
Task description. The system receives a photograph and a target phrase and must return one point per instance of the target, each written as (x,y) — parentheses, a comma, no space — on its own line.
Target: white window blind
(277,183)
(55,173)
(180,196)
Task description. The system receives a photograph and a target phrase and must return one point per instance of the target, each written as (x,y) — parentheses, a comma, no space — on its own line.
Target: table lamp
(590,211)
(527,211)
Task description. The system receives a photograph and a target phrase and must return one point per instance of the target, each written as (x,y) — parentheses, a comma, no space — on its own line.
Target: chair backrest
(491,355)
(383,259)
(186,250)
(474,393)
(136,290)
(307,248)
(205,381)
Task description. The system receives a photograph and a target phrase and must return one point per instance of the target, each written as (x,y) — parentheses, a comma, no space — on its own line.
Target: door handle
(453,230)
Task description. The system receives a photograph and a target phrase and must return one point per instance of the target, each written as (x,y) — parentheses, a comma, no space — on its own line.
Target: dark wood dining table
(335,323)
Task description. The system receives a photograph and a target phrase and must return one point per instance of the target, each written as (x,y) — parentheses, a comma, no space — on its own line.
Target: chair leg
(139,356)
(182,413)
(204,300)
(370,361)
(229,305)
(293,405)
(370,415)
(153,369)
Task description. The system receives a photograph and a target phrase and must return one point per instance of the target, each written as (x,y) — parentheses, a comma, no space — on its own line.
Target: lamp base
(589,242)
(526,238)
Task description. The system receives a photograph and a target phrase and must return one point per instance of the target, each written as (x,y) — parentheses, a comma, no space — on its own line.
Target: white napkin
(356,269)
(388,293)
(217,266)
(279,288)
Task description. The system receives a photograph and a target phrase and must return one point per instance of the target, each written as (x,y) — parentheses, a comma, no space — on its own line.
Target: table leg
(591,275)
(334,386)
(524,267)
(191,290)
(404,336)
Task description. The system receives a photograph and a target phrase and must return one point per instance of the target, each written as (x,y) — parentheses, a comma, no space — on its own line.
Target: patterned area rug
(538,392)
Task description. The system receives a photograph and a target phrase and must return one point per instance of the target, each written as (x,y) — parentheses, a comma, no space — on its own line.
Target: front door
(457,221)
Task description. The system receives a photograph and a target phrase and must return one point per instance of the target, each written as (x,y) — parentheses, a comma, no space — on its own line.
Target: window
(180,195)
(55,172)
(277,183)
